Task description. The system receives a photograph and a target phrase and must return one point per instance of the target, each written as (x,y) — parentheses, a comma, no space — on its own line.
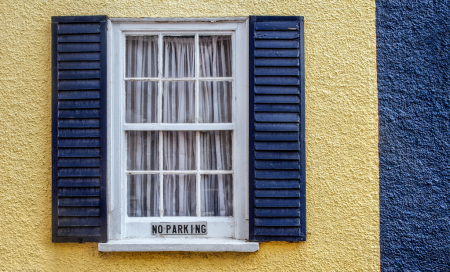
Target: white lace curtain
(178,106)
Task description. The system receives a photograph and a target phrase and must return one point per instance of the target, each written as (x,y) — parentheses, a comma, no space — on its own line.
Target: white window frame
(134,234)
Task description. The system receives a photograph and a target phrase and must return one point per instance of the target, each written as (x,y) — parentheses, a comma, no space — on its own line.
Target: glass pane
(179,195)
(179,150)
(217,195)
(215,56)
(215,148)
(141,102)
(142,56)
(178,102)
(178,56)
(142,150)
(215,102)
(143,195)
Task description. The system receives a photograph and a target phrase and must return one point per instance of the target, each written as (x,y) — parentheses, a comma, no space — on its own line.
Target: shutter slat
(277,232)
(277,146)
(79,142)
(277,153)
(276,165)
(276,127)
(79,123)
(79,95)
(78,192)
(277,71)
(277,184)
(81,202)
(79,152)
(77,211)
(277,53)
(276,89)
(275,44)
(269,238)
(277,62)
(277,25)
(83,38)
(277,222)
(78,133)
(276,136)
(79,182)
(277,203)
(276,80)
(78,28)
(79,222)
(277,99)
(78,65)
(275,35)
(78,47)
(276,108)
(79,74)
(78,172)
(276,174)
(274,212)
(79,231)
(79,84)
(94,113)
(277,117)
(277,193)
(79,104)
(79,162)
(92,56)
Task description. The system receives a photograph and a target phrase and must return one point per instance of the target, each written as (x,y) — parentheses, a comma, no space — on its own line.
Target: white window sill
(179,244)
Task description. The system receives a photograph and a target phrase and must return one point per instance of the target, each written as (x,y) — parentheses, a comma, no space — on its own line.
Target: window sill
(179,244)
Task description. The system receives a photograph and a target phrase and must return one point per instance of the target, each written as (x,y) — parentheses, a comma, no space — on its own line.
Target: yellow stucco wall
(341,139)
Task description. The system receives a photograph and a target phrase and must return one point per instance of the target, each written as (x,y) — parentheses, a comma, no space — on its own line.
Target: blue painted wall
(413,58)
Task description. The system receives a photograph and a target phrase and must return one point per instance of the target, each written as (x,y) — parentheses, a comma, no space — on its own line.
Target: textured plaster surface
(413,40)
(341,139)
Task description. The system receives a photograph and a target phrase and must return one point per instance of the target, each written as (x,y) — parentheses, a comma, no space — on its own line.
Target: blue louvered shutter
(277,149)
(79,207)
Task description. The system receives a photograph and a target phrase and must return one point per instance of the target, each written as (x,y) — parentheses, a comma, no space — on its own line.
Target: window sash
(161,61)
(122,226)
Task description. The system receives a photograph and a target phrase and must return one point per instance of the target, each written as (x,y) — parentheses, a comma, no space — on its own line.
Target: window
(179,133)
(166,122)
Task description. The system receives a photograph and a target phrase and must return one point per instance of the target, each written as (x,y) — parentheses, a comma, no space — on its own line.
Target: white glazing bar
(179,172)
(171,20)
(197,134)
(215,79)
(233,143)
(142,79)
(233,85)
(233,118)
(160,67)
(161,175)
(124,59)
(179,127)
(183,219)
(197,157)
(123,145)
(160,151)
(179,79)
(197,69)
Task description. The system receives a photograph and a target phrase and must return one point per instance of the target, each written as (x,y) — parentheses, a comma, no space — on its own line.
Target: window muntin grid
(160,125)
